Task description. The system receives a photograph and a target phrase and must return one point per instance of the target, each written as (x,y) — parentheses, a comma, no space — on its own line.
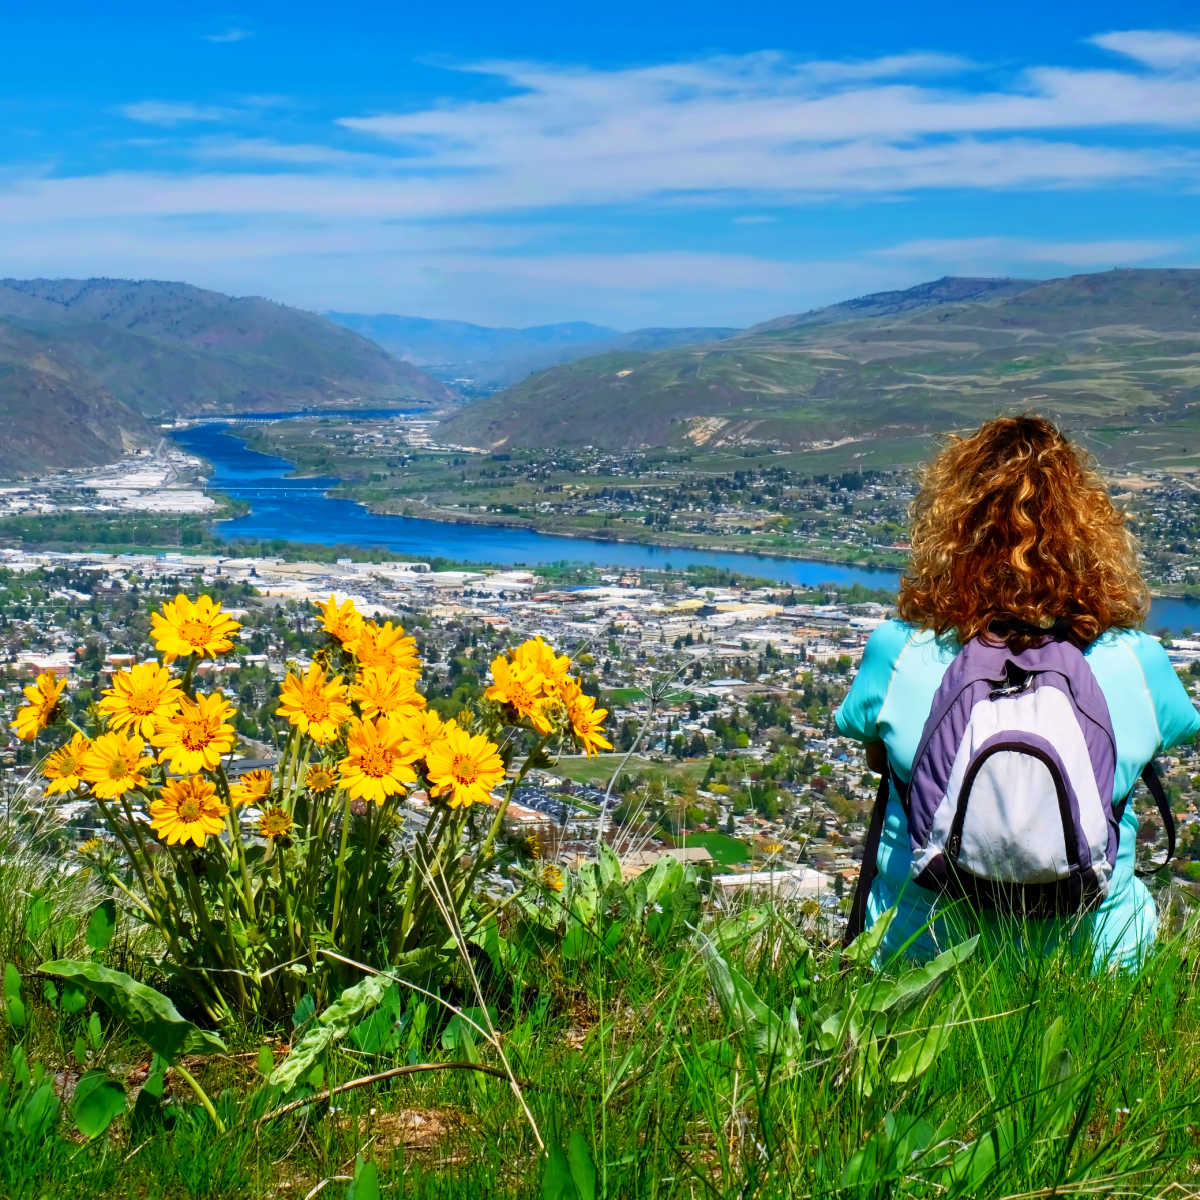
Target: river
(299,510)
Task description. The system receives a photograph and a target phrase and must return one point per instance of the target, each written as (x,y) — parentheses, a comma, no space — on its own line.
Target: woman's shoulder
(894,638)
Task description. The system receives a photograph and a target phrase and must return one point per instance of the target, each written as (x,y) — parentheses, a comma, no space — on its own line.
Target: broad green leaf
(365,1185)
(39,1113)
(50,994)
(266,1060)
(98,1101)
(864,947)
(305,1010)
(583,1170)
(332,1025)
(74,999)
(38,919)
(12,982)
(770,1033)
(148,1107)
(913,985)
(920,1050)
(149,1014)
(101,926)
(20,1066)
(95,1033)
(556,1175)
(80,1052)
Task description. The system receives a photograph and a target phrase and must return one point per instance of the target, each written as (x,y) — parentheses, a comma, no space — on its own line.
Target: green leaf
(864,947)
(80,1052)
(98,1101)
(583,1170)
(50,994)
(913,985)
(921,1049)
(74,999)
(770,1033)
(95,1033)
(266,1060)
(38,919)
(149,1014)
(305,1010)
(365,1185)
(101,926)
(148,1109)
(14,1006)
(557,1183)
(332,1025)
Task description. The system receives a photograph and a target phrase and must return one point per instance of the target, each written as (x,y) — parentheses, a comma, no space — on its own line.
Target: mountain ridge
(113,356)
(1119,347)
(488,356)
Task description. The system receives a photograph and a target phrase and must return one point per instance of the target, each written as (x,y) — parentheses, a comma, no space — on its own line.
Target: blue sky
(635,164)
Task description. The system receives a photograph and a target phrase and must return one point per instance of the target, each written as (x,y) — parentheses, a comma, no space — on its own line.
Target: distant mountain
(952,289)
(1118,351)
(482,358)
(100,358)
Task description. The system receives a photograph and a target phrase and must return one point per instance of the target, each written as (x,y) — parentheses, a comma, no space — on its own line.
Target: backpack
(1010,800)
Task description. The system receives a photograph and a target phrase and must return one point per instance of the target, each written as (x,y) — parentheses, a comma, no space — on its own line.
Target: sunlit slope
(1116,356)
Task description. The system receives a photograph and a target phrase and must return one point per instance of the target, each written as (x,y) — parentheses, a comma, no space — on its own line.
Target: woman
(1013,531)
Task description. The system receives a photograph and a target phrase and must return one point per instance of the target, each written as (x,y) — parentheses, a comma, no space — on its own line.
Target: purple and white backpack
(1010,800)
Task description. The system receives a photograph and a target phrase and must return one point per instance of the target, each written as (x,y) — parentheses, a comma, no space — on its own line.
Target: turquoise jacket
(889,701)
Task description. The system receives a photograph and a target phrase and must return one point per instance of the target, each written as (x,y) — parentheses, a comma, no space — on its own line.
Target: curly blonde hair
(1012,526)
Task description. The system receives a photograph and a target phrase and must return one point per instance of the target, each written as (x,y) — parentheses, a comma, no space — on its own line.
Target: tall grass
(745,1060)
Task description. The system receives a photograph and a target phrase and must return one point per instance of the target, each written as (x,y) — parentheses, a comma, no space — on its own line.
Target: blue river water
(299,510)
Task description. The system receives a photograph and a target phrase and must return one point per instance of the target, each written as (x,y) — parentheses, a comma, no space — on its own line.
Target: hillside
(85,364)
(483,358)
(1116,355)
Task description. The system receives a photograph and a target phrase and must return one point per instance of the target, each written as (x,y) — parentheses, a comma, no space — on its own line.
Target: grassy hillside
(96,358)
(1116,356)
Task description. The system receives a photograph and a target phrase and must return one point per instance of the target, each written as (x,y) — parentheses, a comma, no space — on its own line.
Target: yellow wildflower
(196,735)
(587,721)
(377,765)
(184,628)
(551,878)
(319,778)
(275,823)
(139,696)
(343,622)
(115,765)
(386,693)
(42,697)
(522,689)
(314,703)
(386,647)
(251,787)
(421,731)
(463,768)
(64,768)
(188,810)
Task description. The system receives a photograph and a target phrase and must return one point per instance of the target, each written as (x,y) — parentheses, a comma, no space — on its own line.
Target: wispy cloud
(1096,254)
(173,112)
(233,34)
(1157,48)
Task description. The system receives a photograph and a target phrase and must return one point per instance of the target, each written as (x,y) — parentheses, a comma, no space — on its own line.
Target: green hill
(85,364)
(1115,356)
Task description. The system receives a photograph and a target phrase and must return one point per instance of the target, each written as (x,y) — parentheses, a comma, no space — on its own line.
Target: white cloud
(1158,48)
(1096,254)
(233,34)
(172,112)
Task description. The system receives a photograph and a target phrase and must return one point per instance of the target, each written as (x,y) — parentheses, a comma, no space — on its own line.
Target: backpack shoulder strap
(1154,784)
(857,920)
